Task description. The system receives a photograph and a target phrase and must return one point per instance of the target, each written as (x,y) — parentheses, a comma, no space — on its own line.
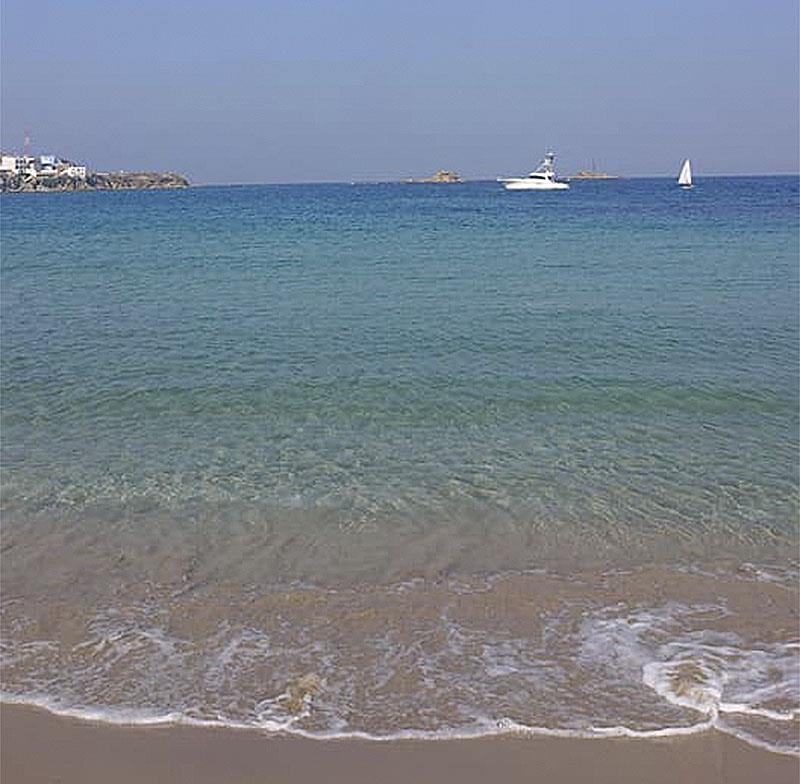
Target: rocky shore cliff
(443,175)
(95,181)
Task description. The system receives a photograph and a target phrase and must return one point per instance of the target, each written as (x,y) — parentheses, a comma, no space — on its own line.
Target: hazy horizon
(282,93)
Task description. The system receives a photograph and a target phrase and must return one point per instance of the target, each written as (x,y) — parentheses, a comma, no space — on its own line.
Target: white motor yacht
(543,178)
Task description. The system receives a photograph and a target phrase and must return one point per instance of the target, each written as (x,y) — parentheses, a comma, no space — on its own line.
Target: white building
(76,172)
(47,165)
(40,166)
(26,164)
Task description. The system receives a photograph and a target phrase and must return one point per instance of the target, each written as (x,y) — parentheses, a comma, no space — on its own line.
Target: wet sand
(39,747)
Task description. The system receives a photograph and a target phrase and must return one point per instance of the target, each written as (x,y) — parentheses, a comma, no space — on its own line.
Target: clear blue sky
(260,91)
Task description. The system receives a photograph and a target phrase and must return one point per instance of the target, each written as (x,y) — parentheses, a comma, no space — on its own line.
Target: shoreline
(40,746)
(231,665)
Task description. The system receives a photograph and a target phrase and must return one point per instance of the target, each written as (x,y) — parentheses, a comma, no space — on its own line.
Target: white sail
(685,177)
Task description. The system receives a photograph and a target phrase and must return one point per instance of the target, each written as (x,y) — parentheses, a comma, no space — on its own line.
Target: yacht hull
(523,185)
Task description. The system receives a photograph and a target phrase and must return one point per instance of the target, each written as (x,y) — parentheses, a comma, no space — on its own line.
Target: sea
(387,460)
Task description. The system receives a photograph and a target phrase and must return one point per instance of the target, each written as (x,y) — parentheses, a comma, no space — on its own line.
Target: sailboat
(685,177)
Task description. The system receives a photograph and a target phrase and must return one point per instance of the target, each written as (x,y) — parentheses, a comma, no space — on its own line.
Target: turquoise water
(621,358)
(235,389)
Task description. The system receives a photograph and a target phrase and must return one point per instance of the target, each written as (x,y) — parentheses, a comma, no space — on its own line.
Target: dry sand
(39,747)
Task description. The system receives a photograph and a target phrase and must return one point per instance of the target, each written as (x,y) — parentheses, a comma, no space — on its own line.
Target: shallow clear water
(311,395)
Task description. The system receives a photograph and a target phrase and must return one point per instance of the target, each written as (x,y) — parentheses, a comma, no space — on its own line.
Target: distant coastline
(46,173)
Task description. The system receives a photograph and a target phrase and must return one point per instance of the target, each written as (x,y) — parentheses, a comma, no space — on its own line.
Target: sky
(252,91)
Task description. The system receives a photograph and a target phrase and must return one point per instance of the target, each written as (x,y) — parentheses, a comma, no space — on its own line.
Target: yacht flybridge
(543,178)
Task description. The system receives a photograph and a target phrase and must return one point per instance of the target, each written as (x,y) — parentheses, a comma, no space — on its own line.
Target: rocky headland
(95,181)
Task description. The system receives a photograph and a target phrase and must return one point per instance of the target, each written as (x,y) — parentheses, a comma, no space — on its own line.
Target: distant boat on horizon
(685,177)
(542,178)
(591,174)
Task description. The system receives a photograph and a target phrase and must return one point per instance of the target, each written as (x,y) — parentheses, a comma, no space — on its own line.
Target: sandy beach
(40,747)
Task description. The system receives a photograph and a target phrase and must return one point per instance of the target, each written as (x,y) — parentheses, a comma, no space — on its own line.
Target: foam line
(500,728)
(485,729)
(761,712)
